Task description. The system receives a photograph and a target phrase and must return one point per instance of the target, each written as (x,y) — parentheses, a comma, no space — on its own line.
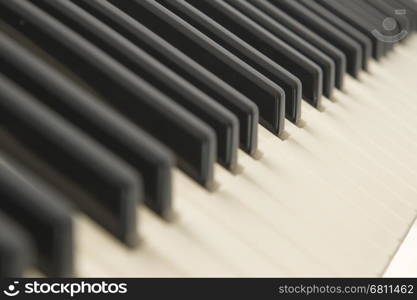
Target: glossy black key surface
(244,109)
(307,35)
(84,110)
(307,71)
(224,123)
(103,186)
(363,25)
(193,142)
(16,249)
(351,49)
(327,65)
(268,96)
(43,214)
(289,83)
(350,32)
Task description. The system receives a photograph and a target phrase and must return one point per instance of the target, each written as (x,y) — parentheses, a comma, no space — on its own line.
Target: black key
(16,249)
(43,214)
(350,32)
(85,111)
(367,12)
(268,96)
(265,65)
(411,10)
(224,123)
(102,186)
(363,25)
(306,34)
(307,71)
(327,65)
(402,22)
(193,142)
(325,30)
(244,109)
(399,7)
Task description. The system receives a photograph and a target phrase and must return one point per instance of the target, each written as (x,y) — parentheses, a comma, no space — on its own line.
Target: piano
(208,138)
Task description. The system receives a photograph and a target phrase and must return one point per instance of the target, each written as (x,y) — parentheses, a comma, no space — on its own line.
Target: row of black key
(100,99)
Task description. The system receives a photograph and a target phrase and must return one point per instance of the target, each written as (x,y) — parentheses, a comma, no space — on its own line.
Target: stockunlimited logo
(12,290)
(389,24)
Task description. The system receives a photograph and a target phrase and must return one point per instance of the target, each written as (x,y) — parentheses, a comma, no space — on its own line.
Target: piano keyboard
(206,138)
